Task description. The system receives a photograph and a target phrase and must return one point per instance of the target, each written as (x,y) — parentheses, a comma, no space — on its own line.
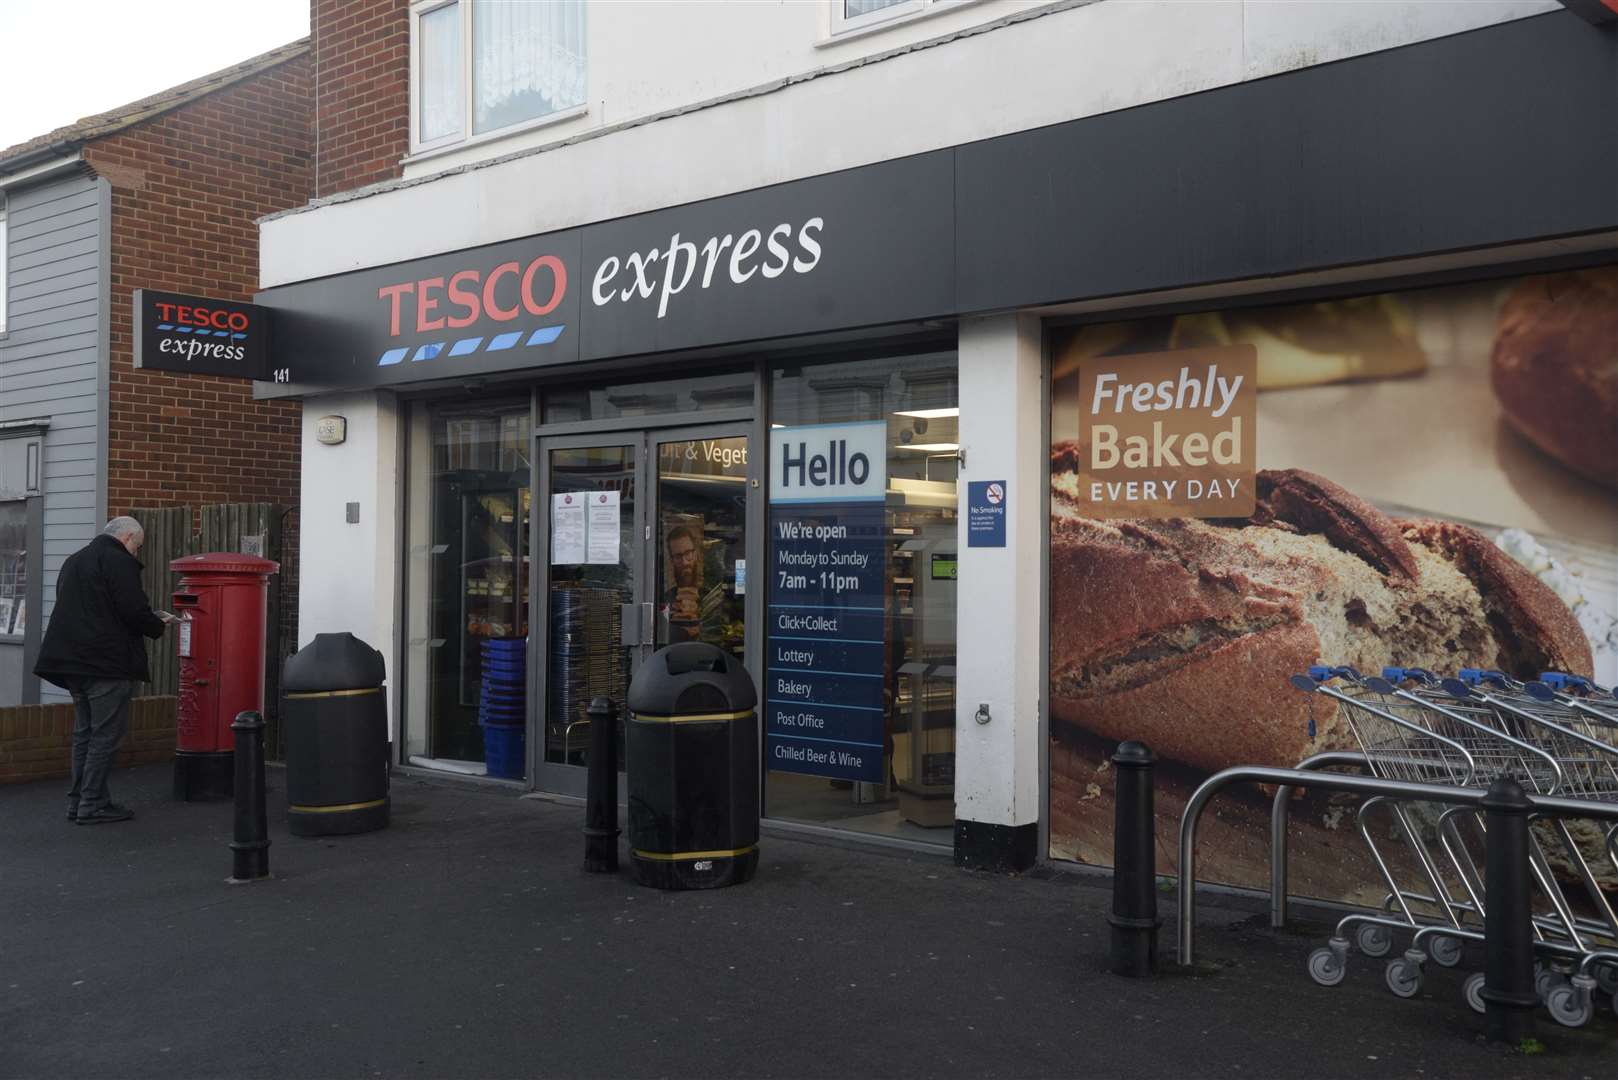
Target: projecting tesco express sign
(195,335)
(513,290)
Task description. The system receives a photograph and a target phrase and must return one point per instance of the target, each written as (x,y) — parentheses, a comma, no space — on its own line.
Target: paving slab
(465,940)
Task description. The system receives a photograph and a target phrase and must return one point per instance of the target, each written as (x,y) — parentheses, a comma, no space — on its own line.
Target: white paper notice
(603,527)
(567,528)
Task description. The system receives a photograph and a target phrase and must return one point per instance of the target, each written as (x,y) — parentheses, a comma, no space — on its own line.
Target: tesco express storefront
(813,424)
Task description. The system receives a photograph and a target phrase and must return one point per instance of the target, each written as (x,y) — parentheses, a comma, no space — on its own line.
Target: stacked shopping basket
(586,661)
(1555,736)
(502,707)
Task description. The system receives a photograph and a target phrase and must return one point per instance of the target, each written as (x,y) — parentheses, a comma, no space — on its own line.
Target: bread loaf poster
(1426,478)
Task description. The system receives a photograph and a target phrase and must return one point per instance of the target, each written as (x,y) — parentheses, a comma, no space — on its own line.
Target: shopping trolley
(1411,726)
(1563,716)
(1399,742)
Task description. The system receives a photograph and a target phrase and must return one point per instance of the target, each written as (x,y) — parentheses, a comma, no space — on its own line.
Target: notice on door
(826,577)
(602,524)
(568,529)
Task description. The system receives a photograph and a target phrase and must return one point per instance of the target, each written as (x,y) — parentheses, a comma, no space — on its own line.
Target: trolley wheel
(1446,951)
(1325,968)
(1546,981)
(1374,940)
(1473,989)
(1566,1007)
(1607,978)
(1403,977)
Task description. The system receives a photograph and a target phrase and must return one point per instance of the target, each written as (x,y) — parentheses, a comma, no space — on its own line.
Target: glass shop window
(917,398)
(13,567)
(657,397)
(466,583)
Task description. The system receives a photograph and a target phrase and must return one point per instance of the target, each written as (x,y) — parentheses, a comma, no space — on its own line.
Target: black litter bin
(337,737)
(691,754)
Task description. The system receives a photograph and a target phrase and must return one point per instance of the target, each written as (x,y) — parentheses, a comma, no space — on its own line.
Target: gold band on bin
(338,693)
(691,719)
(336,809)
(685,856)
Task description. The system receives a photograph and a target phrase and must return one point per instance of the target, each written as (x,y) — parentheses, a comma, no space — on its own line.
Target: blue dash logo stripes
(544,335)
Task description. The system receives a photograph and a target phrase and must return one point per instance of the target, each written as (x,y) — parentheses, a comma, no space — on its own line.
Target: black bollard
(1134,864)
(250,850)
(601,791)
(1508,991)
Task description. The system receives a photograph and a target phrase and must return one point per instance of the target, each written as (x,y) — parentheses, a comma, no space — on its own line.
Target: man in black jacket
(93,650)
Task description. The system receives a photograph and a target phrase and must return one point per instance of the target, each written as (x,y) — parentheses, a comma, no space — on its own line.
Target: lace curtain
(442,107)
(853,9)
(528,60)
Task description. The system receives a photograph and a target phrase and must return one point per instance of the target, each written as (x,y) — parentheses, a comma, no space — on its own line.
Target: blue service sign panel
(827,574)
(986,513)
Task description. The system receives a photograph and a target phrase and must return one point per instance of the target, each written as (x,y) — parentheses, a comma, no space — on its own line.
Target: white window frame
(5,264)
(420,149)
(840,27)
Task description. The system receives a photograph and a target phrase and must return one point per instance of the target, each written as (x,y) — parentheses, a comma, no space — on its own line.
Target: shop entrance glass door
(701,538)
(644,540)
(590,522)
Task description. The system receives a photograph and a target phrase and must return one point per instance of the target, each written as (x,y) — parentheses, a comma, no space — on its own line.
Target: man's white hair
(120,527)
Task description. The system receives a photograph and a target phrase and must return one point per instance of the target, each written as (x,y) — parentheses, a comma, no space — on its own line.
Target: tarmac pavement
(465,941)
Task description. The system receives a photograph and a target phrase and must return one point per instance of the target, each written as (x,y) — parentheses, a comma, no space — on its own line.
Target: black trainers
(73,812)
(107,814)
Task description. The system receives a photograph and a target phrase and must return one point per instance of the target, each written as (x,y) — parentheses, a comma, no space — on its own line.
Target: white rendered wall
(347,572)
(646,57)
(649,58)
(998,627)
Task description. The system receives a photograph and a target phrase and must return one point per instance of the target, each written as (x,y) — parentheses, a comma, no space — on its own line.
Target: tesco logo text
(501,293)
(666,272)
(207,318)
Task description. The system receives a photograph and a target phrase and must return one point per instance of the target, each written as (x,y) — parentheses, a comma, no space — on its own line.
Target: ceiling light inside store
(930,414)
(937,447)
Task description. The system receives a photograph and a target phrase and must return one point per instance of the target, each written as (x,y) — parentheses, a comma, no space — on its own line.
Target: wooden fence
(168,536)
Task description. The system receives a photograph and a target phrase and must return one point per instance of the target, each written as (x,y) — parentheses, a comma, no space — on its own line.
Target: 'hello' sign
(827,463)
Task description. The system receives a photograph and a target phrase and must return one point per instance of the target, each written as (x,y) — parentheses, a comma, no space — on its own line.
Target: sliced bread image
(1183,632)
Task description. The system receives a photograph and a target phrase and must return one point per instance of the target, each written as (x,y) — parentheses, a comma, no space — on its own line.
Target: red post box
(220,599)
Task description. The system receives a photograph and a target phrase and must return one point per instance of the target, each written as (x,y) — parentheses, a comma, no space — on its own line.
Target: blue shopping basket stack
(502,708)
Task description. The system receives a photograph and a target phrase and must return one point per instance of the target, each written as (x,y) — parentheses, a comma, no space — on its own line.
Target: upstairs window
(851,15)
(2,262)
(859,9)
(484,67)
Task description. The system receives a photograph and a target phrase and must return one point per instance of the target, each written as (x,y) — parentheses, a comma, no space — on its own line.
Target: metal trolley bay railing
(1432,746)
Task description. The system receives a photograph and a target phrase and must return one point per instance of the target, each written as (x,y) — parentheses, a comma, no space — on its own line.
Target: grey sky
(66,59)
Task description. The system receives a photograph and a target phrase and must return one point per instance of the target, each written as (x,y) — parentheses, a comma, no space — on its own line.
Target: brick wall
(188,187)
(36,741)
(362,93)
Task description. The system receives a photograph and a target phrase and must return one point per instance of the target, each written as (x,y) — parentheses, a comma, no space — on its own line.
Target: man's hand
(685,605)
(167,616)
